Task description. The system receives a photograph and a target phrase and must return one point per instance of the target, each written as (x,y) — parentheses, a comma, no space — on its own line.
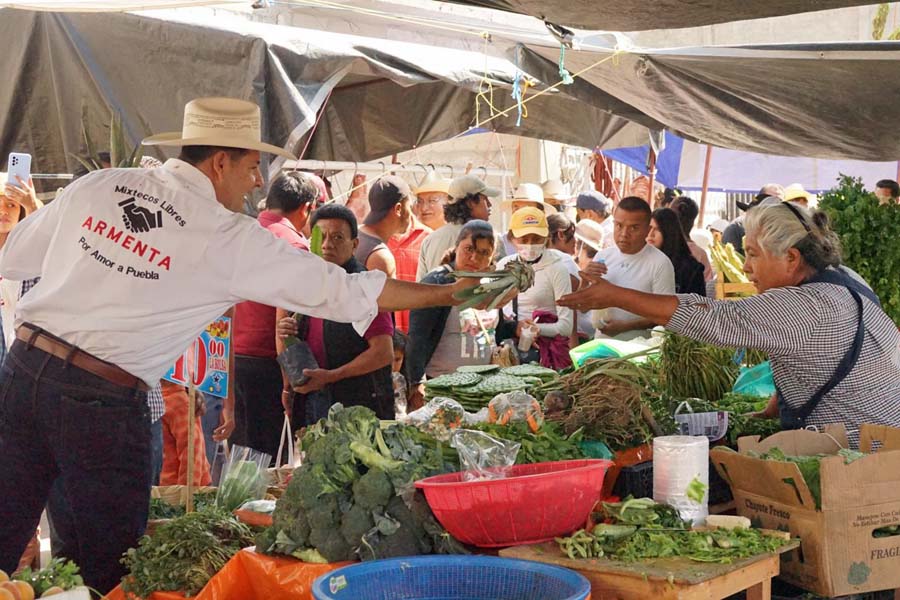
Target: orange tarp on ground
(252,576)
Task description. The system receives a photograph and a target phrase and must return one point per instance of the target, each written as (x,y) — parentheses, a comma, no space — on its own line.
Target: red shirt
(405,249)
(254,323)
(382,325)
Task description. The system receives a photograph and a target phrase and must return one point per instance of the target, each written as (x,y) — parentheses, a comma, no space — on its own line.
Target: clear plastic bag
(482,456)
(243,478)
(438,418)
(516,407)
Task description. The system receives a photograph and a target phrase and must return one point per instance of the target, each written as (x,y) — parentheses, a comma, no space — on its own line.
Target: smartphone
(19,165)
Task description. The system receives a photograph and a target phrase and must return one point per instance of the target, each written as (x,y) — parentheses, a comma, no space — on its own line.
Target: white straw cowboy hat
(226,122)
(530,192)
(433,182)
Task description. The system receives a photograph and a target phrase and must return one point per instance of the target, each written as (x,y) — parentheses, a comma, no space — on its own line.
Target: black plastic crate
(636,480)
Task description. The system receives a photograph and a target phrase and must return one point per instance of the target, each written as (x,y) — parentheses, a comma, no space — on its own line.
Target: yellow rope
(614,57)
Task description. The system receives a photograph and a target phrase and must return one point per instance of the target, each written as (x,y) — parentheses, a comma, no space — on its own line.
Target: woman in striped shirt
(835,354)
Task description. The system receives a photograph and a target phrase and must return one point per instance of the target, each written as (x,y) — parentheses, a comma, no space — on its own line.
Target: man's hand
(416,398)
(287,327)
(599,294)
(287,401)
(615,327)
(522,325)
(23,193)
(137,218)
(594,271)
(226,426)
(318,379)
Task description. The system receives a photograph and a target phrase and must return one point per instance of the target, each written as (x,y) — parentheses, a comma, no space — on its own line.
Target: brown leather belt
(77,357)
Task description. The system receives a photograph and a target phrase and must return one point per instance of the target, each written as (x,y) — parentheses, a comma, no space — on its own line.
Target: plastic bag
(482,456)
(516,407)
(713,425)
(243,478)
(295,358)
(756,381)
(475,418)
(438,418)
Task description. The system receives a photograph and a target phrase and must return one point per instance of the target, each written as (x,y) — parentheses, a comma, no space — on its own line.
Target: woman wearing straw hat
(134,263)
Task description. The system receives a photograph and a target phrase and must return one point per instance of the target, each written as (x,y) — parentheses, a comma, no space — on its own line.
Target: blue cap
(593,200)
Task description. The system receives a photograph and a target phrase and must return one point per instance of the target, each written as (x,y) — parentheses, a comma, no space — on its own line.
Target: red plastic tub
(534,503)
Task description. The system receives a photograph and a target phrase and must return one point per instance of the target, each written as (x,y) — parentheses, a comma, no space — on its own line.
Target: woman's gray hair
(780,227)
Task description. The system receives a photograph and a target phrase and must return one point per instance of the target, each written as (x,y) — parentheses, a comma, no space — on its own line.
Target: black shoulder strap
(844,367)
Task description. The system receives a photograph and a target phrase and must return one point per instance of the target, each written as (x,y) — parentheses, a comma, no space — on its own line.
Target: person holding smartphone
(17,201)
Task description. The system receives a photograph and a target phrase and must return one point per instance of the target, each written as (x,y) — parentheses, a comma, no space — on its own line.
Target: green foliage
(184,553)
(869,233)
(549,444)
(345,501)
(58,573)
(119,154)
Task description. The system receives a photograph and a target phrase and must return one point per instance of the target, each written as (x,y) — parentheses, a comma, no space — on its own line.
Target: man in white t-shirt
(134,264)
(635,264)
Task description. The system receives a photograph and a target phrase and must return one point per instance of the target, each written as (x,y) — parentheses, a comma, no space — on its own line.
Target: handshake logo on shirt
(139,219)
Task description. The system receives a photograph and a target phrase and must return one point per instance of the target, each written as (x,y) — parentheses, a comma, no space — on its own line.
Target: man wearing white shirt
(134,263)
(635,264)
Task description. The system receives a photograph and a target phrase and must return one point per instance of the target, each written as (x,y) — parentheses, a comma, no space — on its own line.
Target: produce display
(57,577)
(692,369)
(184,553)
(160,509)
(475,387)
(495,285)
(727,261)
(740,420)
(353,496)
(639,529)
(605,398)
(809,466)
(548,444)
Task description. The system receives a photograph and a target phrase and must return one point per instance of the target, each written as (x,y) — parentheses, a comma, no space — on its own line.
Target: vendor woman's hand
(287,327)
(599,294)
(318,379)
(522,325)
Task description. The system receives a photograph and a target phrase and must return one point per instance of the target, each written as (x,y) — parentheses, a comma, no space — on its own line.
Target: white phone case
(19,165)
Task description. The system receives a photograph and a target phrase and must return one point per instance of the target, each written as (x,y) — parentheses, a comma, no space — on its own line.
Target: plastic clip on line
(564,75)
(520,84)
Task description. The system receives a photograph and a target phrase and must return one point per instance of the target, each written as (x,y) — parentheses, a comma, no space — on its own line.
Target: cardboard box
(838,554)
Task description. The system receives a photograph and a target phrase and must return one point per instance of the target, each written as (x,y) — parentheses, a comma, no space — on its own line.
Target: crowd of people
(603,269)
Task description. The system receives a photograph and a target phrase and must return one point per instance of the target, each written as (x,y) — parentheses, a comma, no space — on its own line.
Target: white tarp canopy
(116,5)
(737,171)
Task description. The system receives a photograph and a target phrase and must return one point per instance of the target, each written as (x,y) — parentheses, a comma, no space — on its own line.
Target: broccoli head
(355,523)
(403,542)
(373,489)
(265,539)
(325,513)
(310,483)
(332,452)
(358,422)
(330,544)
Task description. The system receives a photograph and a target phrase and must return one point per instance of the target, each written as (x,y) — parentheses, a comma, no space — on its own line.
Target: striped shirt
(807,330)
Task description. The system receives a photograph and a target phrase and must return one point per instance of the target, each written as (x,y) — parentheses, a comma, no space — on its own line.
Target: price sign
(206,360)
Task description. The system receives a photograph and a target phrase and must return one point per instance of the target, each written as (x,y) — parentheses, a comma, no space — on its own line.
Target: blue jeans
(59,423)
(209,421)
(156,455)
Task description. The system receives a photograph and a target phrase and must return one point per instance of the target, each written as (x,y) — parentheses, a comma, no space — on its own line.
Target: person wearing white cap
(134,264)
(555,194)
(525,195)
(593,205)
(470,198)
(431,196)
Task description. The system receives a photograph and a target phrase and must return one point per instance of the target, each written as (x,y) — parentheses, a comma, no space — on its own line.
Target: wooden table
(664,579)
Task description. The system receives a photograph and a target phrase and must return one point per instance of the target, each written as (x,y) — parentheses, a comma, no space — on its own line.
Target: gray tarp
(386,96)
(641,15)
(818,100)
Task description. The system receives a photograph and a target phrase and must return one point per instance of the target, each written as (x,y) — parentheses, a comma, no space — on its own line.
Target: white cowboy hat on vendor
(530,193)
(555,193)
(434,182)
(225,122)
